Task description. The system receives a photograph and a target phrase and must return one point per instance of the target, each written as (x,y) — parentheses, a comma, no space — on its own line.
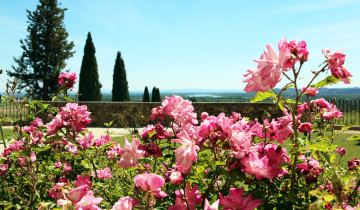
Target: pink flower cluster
(67,80)
(3,169)
(266,162)
(156,131)
(270,67)
(35,134)
(130,154)
(233,134)
(235,200)
(188,199)
(102,174)
(150,182)
(297,50)
(336,64)
(177,108)
(309,91)
(310,167)
(71,114)
(328,111)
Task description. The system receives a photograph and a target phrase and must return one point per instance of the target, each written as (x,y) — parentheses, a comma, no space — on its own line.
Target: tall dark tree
(120,91)
(146,96)
(45,50)
(89,85)
(155,95)
(158,98)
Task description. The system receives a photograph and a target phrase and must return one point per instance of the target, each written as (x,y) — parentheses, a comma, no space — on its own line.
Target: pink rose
(309,91)
(102,174)
(126,203)
(67,80)
(336,64)
(58,164)
(176,177)
(150,182)
(32,156)
(341,151)
(270,69)
(305,127)
(235,200)
(22,161)
(67,167)
(3,168)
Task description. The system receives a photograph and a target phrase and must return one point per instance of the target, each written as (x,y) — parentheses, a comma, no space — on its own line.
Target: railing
(350,110)
(10,112)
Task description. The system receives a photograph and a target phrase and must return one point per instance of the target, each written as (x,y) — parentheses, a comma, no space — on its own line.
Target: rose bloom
(309,91)
(336,64)
(341,151)
(305,127)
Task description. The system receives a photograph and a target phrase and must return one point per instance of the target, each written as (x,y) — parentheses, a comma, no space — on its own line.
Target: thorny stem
(144,166)
(2,136)
(92,162)
(298,96)
(288,77)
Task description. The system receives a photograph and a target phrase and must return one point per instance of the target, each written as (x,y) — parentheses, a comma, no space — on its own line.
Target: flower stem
(2,136)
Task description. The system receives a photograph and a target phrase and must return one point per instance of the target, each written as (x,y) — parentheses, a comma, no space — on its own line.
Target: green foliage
(45,50)
(120,91)
(89,85)
(260,96)
(146,96)
(329,80)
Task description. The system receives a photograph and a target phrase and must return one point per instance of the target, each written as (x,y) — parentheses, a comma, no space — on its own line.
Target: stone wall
(102,112)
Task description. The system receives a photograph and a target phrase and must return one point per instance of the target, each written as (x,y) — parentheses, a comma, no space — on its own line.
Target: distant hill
(330,91)
(232,95)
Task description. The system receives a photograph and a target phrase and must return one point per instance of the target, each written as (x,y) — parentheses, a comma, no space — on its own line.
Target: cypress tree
(45,50)
(146,96)
(89,85)
(158,98)
(120,91)
(155,95)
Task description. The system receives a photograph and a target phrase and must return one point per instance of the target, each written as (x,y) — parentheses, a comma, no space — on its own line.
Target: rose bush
(221,162)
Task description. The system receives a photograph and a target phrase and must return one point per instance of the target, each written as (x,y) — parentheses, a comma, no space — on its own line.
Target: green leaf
(301,140)
(354,138)
(260,96)
(3,98)
(287,87)
(329,197)
(55,98)
(322,146)
(290,101)
(68,99)
(280,106)
(50,139)
(200,169)
(330,80)
(220,163)
(316,193)
(86,164)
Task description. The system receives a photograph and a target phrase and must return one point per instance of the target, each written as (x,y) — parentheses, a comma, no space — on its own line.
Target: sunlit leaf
(330,80)
(354,137)
(260,96)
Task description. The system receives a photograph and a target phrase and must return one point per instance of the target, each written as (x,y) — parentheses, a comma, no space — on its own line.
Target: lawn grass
(7,132)
(352,147)
(120,139)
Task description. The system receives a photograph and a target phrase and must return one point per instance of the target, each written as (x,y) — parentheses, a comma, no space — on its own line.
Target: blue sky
(203,44)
